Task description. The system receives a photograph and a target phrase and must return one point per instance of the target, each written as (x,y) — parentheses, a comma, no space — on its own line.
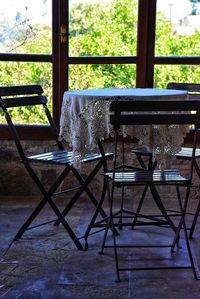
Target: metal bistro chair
(185,153)
(32,95)
(172,113)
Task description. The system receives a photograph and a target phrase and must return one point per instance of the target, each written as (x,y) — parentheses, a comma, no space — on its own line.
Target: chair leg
(25,226)
(192,228)
(121,208)
(179,227)
(109,218)
(66,225)
(111,225)
(30,219)
(182,224)
(140,160)
(94,217)
(97,212)
(194,265)
(161,207)
(196,214)
(151,166)
(84,187)
(196,166)
(139,206)
(47,198)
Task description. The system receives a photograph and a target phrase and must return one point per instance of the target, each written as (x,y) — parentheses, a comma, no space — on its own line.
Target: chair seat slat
(52,154)
(184,152)
(187,152)
(147,176)
(64,157)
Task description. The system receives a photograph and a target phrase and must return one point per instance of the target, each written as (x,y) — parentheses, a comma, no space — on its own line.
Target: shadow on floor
(44,263)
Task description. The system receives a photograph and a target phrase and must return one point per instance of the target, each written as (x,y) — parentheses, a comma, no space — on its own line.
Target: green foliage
(111,30)
(101,76)
(99,30)
(168,43)
(96,30)
(15,73)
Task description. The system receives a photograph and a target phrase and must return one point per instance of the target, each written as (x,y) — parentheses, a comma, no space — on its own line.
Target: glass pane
(101,76)
(25,26)
(103,28)
(179,73)
(11,73)
(178,28)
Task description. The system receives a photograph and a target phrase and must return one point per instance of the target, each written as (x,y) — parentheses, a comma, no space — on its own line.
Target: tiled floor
(44,263)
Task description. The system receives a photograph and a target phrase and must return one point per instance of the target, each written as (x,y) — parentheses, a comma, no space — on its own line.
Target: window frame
(145,60)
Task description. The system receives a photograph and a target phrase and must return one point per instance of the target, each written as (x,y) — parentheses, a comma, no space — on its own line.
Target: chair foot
(191,234)
(118,280)
(86,245)
(56,223)
(17,237)
(173,250)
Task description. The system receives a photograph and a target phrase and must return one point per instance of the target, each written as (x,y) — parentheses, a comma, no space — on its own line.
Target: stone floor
(45,264)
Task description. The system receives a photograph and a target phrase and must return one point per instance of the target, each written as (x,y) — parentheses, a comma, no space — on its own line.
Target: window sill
(27,132)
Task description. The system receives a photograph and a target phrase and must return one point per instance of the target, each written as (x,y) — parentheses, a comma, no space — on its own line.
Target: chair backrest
(192,88)
(24,95)
(155,112)
(158,112)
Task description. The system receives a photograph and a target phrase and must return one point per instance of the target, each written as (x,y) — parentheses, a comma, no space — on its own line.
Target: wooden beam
(26,57)
(60,11)
(103,60)
(186,60)
(151,33)
(27,132)
(141,67)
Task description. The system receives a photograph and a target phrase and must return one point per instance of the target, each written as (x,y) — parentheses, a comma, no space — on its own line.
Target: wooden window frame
(145,60)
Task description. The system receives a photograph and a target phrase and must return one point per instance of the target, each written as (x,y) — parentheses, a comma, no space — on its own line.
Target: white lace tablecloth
(85,118)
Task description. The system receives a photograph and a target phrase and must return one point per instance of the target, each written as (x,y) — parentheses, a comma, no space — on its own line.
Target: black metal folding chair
(32,95)
(185,153)
(173,112)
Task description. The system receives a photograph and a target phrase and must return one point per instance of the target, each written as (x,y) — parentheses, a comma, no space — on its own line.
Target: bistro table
(85,118)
